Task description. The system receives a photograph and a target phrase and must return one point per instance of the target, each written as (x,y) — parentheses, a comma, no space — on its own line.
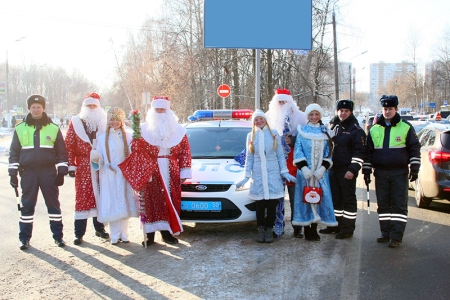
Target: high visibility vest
(397,136)
(47,135)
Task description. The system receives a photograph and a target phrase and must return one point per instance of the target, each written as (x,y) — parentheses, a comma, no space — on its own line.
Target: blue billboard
(258,24)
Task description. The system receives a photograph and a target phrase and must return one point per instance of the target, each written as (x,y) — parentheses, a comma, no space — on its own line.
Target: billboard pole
(257,79)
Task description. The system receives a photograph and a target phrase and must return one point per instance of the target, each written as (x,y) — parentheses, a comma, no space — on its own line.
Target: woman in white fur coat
(116,202)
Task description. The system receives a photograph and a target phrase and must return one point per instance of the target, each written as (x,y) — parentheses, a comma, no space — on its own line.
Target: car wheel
(421,200)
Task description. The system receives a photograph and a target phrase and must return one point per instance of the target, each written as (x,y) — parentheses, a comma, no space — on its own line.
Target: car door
(427,174)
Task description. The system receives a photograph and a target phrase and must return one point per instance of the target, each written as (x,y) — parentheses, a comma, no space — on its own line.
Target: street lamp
(7,82)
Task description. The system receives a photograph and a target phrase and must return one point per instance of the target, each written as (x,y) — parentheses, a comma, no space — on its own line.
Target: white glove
(289,177)
(307,173)
(95,156)
(319,172)
(242,182)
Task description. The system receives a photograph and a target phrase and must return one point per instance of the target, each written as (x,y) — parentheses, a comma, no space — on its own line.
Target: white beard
(94,118)
(278,114)
(162,126)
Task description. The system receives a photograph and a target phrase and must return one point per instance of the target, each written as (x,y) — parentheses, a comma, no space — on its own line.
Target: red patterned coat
(160,203)
(78,153)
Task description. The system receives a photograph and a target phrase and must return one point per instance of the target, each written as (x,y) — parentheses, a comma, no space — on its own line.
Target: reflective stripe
(358,161)
(393,217)
(42,146)
(63,164)
(46,146)
(338,213)
(13,166)
(26,219)
(350,215)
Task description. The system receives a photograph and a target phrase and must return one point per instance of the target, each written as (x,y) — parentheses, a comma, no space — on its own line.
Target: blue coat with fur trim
(312,146)
(265,165)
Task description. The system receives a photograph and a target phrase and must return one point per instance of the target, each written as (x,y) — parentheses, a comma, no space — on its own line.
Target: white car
(216,137)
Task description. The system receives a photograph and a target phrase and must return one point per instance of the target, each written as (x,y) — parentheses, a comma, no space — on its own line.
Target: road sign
(432,104)
(223,90)
(445,102)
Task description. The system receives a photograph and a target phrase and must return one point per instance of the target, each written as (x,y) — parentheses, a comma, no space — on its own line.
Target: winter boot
(150,239)
(269,235)
(308,236)
(168,238)
(315,236)
(261,234)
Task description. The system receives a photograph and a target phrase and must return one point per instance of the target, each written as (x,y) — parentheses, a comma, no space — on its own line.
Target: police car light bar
(221,114)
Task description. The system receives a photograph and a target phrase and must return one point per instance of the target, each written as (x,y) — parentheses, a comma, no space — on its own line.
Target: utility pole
(336,71)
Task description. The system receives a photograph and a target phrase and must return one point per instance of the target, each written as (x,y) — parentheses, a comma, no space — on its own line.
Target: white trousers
(118,230)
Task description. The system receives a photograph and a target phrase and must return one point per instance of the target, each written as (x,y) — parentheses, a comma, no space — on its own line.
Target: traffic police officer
(392,145)
(348,157)
(36,147)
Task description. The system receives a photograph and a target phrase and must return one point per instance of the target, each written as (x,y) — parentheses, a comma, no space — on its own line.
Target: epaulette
(357,126)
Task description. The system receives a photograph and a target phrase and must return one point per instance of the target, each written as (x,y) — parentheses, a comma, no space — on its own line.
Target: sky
(78,34)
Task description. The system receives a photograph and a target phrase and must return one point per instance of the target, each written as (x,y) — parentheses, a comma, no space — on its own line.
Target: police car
(216,137)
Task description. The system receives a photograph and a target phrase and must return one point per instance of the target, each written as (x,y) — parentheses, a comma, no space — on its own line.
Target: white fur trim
(161,103)
(89,100)
(262,155)
(283,97)
(312,107)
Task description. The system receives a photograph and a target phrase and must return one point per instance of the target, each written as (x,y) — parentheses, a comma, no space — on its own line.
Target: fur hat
(389,101)
(116,114)
(36,99)
(258,113)
(161,102)
(91,98)
(282,95)
(346,103)
(312,107)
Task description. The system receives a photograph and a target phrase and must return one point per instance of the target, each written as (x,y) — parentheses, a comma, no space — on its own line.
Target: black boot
(150,239)
(168,238)
(328,230)
(308,236)
(315,236)
(78,240)
(298,232)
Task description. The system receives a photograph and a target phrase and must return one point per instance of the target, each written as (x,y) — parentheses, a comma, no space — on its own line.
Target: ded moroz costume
(159,162)
(81,134)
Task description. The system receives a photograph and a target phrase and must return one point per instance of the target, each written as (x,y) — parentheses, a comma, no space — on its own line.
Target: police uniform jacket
(37,143)
(394,146)
(349,145)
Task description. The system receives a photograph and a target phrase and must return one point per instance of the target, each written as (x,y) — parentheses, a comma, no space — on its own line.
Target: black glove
(72,173)
(14,181)
(367,179)
(59,180)
(413,176)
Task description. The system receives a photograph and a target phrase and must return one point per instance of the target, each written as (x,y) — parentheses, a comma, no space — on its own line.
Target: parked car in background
(419,125)
(440,115)
(407,117)
(434,175)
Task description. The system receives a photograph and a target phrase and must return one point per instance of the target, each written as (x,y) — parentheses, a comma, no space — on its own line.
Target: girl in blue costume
(266,165)
(312,156)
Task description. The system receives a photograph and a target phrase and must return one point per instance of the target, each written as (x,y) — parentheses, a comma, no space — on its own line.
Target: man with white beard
(80,139)
(284,116)
(169,154)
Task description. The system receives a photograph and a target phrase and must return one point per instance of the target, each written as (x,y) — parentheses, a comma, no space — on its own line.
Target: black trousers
(392,199)
(271,206)
(345,204)
(32,180)
(80,226)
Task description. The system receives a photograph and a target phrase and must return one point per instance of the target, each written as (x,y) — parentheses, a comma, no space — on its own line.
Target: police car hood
(218,170)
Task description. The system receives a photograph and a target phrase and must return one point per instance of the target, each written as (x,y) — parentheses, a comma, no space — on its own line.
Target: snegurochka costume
(311,147)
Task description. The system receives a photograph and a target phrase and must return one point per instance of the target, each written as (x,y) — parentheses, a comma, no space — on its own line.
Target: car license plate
(201,205)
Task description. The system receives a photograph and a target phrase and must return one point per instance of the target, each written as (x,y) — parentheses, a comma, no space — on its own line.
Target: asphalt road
(223,261)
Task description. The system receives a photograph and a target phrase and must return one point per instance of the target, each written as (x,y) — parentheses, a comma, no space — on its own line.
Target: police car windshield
(217,142)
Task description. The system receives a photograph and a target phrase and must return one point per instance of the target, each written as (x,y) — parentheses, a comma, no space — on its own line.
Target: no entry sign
(223,90)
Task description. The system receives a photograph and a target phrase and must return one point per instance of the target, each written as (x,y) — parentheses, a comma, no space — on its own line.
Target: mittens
(242,182)
(319,172)
(307,173)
